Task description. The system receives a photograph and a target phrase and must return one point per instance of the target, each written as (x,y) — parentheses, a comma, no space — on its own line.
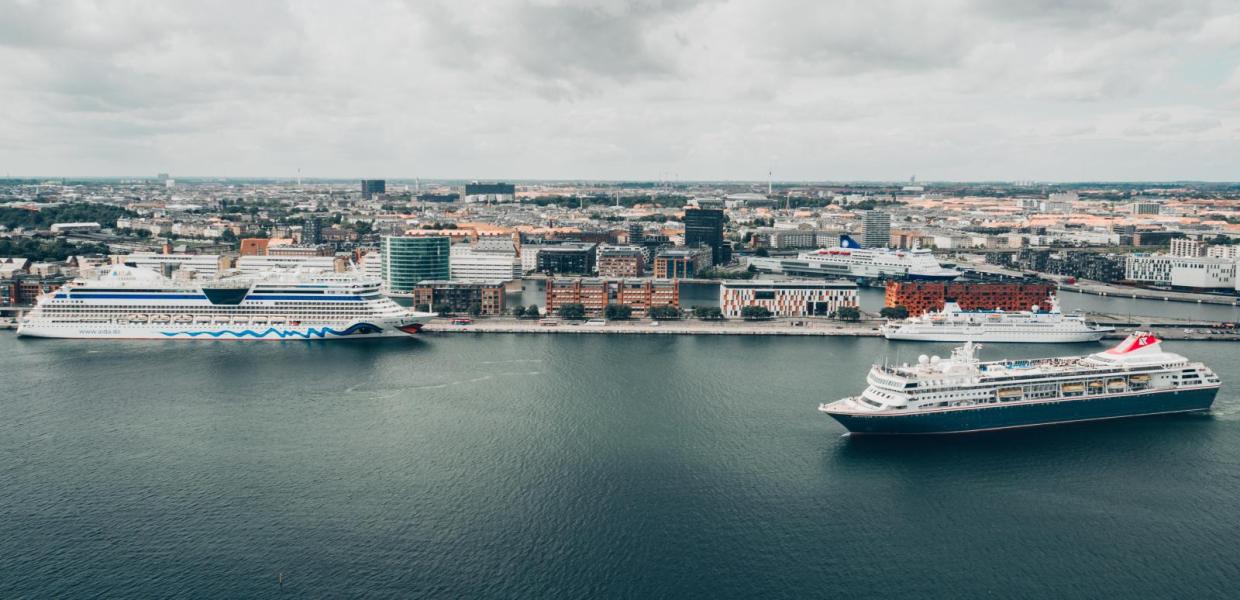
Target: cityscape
(619,299)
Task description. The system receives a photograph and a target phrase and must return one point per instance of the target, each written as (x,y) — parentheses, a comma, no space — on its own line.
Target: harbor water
(532,466)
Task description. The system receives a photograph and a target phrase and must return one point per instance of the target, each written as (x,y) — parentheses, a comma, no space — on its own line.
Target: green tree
(763,252)
(572,310)
(896,312)
(664,312)
(422,308)
(475,309)
(619,312)
(532,312)
(518,311)
(751,313)
(443,308)
(708,313)
(848,313)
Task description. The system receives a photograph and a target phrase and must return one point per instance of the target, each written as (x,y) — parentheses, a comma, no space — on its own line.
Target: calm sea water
(507,466)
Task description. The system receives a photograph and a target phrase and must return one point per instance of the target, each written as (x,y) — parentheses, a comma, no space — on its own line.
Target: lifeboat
(202,319)
(1073,387)
(1139,379)
(182,318)
(137,318)
(161,318)
(1116,384)
(1093,385)
(277,321)
(259,320)
(1014,392)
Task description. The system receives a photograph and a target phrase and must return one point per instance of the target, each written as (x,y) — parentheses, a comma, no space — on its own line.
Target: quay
(801,326)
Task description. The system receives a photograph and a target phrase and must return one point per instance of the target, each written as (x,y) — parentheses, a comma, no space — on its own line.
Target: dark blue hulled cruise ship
(962,394)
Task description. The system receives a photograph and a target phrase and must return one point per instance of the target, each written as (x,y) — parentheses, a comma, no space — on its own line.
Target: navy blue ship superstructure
(962,394)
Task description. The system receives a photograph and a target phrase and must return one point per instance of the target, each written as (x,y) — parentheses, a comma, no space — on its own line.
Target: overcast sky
(810,89)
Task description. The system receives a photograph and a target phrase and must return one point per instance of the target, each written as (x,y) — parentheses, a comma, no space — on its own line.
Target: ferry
(962,394)
(953,324)
(850,260)
(133,303)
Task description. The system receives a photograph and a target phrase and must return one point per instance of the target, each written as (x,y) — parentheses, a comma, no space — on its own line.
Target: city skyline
(960,91)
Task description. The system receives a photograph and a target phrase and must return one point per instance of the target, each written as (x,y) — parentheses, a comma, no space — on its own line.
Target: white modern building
(1203,273)
(202,265)
(489,259)
(259,264)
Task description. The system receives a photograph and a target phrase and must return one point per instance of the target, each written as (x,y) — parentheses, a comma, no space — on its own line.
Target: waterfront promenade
(1167,328)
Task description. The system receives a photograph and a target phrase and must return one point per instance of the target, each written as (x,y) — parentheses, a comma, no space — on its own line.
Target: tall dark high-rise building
(370,187)
(312,231)
(704,226)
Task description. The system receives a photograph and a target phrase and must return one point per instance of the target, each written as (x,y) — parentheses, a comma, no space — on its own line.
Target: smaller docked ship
(851,261)
(962,394)
(953,324)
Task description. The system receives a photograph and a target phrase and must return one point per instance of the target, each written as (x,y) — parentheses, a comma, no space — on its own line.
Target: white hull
(235,332)
(996,337)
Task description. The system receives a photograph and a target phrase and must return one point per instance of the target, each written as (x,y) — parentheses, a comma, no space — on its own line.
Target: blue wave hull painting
(313,332)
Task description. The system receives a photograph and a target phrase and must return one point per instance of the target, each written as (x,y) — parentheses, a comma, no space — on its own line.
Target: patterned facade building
(596,293)
(924,296)
(787,298)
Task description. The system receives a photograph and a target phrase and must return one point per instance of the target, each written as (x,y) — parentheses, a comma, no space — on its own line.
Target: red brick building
(922,296)
(595,294)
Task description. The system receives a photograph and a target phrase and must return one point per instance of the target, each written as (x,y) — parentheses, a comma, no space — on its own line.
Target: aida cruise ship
(961,394)
(850,260)
(134,303)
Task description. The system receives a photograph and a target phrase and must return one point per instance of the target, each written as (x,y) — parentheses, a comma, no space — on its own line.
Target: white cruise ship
(961,393)
(850,260)
(133,303)
(953,324)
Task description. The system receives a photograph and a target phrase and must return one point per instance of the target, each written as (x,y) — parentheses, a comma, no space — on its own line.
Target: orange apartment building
(595,294)
(923,296)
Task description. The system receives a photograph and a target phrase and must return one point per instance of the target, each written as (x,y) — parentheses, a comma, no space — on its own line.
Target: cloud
(950,89)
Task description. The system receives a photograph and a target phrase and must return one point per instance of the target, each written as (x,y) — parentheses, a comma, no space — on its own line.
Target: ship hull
(238,332)
(1028,414)
(997,337)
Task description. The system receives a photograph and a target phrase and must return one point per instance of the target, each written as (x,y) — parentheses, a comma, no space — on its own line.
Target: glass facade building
(408,260)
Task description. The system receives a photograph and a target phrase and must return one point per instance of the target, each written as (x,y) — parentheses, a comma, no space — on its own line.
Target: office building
(490,192)
(787,298)
(1185,272)
(487,260)
(876,229)
(572,258)
(408,260)
(596,293)
(204,266)
(680,263)
(270,262)
(635,233)
(312,231)
(460,296)
(1188,247)
(704,227)
(370,187)
(621,261)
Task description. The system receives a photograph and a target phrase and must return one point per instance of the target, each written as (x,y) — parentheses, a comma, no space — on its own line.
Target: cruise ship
(962,394)
(850,260)
(134,303)
(954,324)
